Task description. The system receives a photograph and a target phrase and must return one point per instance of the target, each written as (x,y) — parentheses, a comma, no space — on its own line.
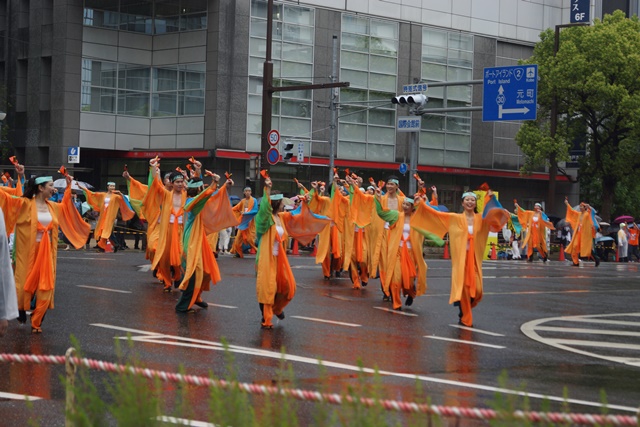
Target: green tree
(594,78)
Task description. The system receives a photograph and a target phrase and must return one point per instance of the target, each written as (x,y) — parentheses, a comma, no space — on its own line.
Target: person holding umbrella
(623,243)
(584,226)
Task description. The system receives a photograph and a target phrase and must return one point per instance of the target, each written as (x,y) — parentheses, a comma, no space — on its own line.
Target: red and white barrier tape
(336,399)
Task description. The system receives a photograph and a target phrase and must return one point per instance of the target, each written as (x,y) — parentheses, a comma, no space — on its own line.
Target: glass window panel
(297,94)
(351,150)
(276,68)
(382,82)
(98,100)
(353,132)
(167,25)
(275,108)
(384,64)
(383,46)
(432,122)
(458,124)
(192,76)
(254,123)
(432,140)
(136,23)
(166,8)
(353,114)
(276,50)
(434,38)
(355,24)
(458,142)
(255,85)
(259,8)
(431,157)
(102,19)
(253,143)
(355,42)
(356,78)
(258,27)
(296,108)
(191,102)
(458,74)
(435,103)
(297,127)
(434,72)
(461,58)
(297,52)
(436,92)
(353,95)
(133,77)
(454,104)
(381,153)
(277,30)
(277,12)
(298,15)
(434,54)
(258,47)
(165,79)
(382,96)
(196,21)
(359,61)
(382,117)
(254,104)
(456,159)
(191,6)
(98,73)
(133,103)
(256,66)
(460,41)
(382,135)
(164,104)
(384,29)
(459,93)
(296,70)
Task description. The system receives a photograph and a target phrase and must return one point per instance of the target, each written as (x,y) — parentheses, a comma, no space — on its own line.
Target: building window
(292,55)
(134,90)
(369,61)
(146,16)
(445,139)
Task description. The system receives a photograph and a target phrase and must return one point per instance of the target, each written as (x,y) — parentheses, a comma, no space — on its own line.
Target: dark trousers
(187,294)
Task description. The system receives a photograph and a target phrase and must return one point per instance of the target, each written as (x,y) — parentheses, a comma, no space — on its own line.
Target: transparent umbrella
(62,184)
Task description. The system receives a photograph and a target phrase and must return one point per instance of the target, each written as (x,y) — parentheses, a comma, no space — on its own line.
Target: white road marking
(464,342)
(104,289)
(184,421)
(144,268)
(353,325)
(221,305)
(480,331)
(93,259)
(564,342)
(12,396)
(154,337)
(396,311)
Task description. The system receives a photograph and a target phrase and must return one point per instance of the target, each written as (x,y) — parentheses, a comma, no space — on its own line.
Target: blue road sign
(510,93)
(273,156)
(580,11)
(403,168)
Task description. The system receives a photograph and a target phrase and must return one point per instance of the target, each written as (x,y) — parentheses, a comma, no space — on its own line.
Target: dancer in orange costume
(246,234)
(468,233)
(536,223)
(584,226)
(108,204)
(36,221)
(275,284)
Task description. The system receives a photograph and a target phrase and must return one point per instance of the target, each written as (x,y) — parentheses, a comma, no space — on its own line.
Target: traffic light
(287,150)
(416,99)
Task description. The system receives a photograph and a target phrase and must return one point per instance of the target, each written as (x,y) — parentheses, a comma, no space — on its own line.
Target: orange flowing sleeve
(361,208)
(10,206)
(96,200)
(125,211)
(572,217)
(73,226)
(431,220)
(304,226)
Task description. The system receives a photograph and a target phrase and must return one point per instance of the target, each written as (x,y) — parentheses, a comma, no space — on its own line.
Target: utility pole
(333,107)
(268,90)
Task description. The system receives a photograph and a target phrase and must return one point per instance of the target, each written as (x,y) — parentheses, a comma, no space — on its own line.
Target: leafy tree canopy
(595,78)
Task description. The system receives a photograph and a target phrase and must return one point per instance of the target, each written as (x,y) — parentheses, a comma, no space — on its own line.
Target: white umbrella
(62,183)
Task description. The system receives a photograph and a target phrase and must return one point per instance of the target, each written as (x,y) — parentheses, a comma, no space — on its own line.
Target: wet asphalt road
(547,326)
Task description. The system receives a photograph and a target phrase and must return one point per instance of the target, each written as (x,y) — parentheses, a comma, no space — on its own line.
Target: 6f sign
(580,11)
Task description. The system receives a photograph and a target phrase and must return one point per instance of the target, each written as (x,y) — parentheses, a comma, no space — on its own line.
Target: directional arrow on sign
(501,111)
